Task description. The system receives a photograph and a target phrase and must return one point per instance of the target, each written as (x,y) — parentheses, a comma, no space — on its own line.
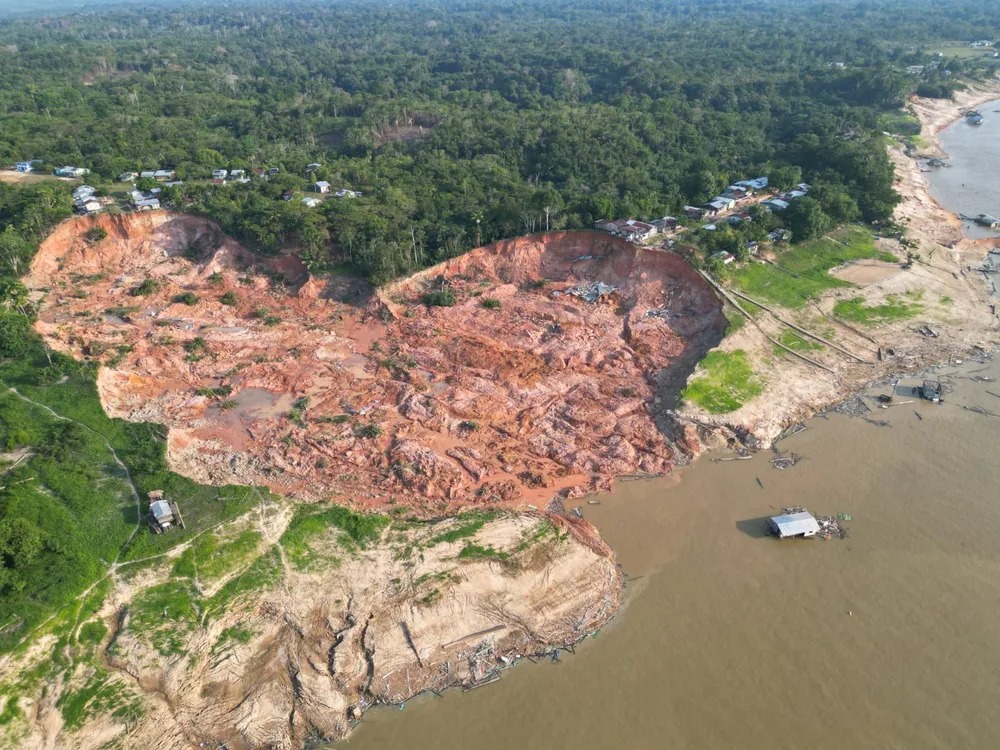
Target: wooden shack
(163,513)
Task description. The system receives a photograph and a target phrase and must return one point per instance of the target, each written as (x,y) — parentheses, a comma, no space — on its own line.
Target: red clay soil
(328,390)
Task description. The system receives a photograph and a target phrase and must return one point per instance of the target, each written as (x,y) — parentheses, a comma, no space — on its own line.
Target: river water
(731,639)
(971,185)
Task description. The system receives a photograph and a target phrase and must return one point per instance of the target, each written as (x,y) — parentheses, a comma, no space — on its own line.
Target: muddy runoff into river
(731,639)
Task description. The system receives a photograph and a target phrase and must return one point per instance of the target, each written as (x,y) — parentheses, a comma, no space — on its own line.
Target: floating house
(975,119)
(802,524)
(986,220)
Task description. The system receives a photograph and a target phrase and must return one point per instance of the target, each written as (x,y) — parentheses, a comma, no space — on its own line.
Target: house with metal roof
(801,524)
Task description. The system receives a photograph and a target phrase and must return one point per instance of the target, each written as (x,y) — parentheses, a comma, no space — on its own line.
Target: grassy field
(895,308)
(725,383)
(960,49)
(901,122)
(67,502)
(802,272)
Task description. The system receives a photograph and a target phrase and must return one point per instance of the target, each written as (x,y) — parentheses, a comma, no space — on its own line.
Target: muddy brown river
(731,639)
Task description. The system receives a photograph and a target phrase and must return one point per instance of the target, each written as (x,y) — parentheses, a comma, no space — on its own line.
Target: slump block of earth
(318,387)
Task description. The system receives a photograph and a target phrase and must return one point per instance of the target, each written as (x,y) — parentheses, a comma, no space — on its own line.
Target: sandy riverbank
(941,280)
(937,114)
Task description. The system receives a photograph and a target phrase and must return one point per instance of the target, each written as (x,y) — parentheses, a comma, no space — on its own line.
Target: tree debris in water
(878,422)
(853,407)
(785,460)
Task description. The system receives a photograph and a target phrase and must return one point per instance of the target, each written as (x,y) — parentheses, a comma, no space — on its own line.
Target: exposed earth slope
(319,388)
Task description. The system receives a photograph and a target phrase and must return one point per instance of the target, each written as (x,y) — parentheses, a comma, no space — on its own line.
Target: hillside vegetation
(467,122)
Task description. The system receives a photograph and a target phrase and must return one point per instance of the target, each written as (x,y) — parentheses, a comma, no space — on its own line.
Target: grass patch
(440,298)
(264,573)
(895,308)
(726,382)
(542,530)
(211,557)
(234,634)
(735,318)
(358,530)
(803,270)
(95,698)
(165,614)
(797,343)
(469,525)
(477,552)
(899,122)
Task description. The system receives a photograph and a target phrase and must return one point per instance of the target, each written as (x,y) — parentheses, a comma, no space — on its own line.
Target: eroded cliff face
(346,629)
(318,387)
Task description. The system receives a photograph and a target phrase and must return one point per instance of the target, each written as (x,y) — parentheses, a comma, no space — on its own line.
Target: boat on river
(974,119)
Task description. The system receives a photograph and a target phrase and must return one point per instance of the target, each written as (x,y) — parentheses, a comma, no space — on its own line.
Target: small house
(723,257)
(738,193)
(779,235)
(164,175)
(163,513)
(71,172)
(345,193)
(666,224)
(313,167)
(775,204)
(310,201)
(128,176)
(322,186)
(237,174)
(720,203)
(693,212)
(630,229)
(273,170)
(25,167)
(789,525)
(148,174)
(757,183)
(219,174)
(91,206)
(793,194)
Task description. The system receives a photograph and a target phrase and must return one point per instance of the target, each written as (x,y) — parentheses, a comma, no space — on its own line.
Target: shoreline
(943,263)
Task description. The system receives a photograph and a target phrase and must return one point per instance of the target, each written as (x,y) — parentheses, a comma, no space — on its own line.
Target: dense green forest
(462,122)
